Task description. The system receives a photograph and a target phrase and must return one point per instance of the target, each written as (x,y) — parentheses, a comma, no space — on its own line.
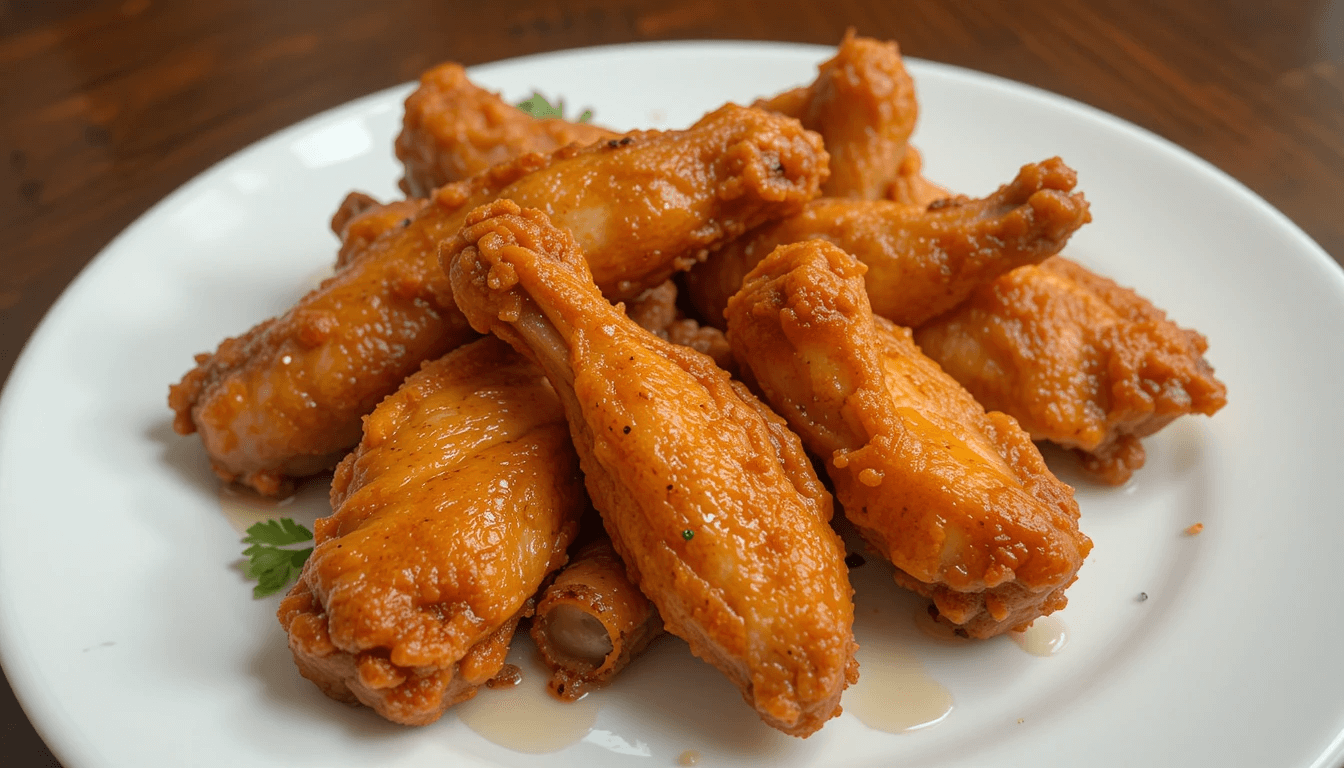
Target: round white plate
(132,639)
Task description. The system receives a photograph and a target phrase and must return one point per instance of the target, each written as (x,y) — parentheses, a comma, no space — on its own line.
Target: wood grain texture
(109,106)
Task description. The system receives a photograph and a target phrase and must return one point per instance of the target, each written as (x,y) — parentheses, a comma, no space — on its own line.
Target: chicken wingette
(461,498)
(1078,360)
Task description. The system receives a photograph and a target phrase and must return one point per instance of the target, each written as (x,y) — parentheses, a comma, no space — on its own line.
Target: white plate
(132,639)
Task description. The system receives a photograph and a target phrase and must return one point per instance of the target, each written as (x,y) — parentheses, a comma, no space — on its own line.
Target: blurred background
(105,107)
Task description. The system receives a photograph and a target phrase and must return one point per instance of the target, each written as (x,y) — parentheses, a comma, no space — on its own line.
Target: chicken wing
(707,496)
(656,311)
(959,500)
(1077,360)
(863,105)
(453,130)
(361,219)
(285,399)
(910,187)
(461,498)
(592,621)
(921,262)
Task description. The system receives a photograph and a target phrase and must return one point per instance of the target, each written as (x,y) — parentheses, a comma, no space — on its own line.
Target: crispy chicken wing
(707,496)
(921,262)
(461,498)
(285,399)
(863,105)
(592,621)
(1077,360)
(959,500)
(453,130)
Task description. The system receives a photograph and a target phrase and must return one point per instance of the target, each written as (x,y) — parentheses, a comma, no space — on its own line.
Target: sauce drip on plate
(1046,636)
(524,717)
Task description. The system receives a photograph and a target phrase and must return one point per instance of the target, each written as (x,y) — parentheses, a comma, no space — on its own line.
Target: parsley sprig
(537,106)
(269,561)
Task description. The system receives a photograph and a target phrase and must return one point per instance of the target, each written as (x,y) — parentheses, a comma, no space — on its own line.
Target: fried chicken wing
(656,311)
(592,621)
(285,399)
(361,219)
(1077,360)
(910,187)
(453,130)
(863,105)
(921,262)
(707,496)
(959,500)
(461,498)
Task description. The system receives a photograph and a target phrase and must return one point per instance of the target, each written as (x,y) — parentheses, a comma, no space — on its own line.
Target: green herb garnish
(537,106)
(268,561)
(688,534)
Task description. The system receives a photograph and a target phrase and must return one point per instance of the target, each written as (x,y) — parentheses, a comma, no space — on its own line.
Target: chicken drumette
(863,105)
(707,496)
(958,499)
(453,129)
(285,399)
(921,261)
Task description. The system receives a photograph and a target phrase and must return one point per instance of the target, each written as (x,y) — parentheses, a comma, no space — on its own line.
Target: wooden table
(110,105)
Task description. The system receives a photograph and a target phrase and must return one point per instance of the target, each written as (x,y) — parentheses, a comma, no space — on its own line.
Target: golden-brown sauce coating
(1077,360)
(921,262)
(656,311)
(452,130)
(863,105)
(361,219)
(707,496)
(461,498)
(591,621)
(285,399)
(959,500)
(910,187)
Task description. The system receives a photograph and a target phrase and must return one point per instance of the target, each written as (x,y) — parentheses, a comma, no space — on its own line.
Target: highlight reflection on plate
(120,602)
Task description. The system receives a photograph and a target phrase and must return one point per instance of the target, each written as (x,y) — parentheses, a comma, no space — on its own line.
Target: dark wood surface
(105,107)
